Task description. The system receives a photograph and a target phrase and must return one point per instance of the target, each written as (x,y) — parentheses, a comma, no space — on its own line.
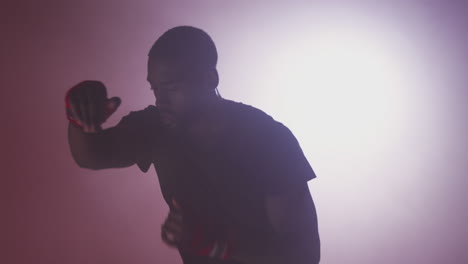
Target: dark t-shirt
(222,174)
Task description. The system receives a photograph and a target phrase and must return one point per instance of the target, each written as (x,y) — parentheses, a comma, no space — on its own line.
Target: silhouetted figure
(235,179)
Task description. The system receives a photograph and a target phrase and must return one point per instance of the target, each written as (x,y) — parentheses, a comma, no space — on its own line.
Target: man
(235,179)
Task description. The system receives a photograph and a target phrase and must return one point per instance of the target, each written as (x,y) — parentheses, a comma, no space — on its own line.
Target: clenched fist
(88,107)
(175,231)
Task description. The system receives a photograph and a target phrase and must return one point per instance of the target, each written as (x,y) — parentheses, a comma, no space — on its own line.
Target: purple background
(392,176)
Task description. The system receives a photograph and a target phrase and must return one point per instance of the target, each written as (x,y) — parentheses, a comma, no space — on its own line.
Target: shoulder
(137,130)
(268,148)
(140,117)
(240,108)
(256,132)
(245,114)
(148,111)
(251,121)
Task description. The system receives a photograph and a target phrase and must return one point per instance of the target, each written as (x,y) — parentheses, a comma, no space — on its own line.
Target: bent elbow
(91,164)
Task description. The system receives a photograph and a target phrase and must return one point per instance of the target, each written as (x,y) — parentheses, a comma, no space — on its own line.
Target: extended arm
(107,148)
(87,108)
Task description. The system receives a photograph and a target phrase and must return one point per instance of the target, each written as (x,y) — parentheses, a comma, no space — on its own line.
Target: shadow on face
(180,88)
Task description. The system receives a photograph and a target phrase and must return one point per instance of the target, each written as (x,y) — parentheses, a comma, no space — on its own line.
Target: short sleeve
(284,165)
(138,130)
(273,159)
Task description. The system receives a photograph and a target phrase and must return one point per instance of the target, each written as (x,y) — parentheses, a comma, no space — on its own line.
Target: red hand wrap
(69,109)
(201,246)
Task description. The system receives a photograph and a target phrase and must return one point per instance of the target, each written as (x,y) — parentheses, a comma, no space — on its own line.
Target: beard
(174,121)
(168,118)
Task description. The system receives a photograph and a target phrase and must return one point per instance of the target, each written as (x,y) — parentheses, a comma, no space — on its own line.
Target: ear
(211,79)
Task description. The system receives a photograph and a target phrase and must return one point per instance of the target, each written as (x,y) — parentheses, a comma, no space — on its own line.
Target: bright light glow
(347,87)
(351,93)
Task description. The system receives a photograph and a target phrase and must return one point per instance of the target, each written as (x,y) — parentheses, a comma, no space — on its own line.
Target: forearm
(279,250)
(261,248)
(289,233)
(248,246)
(84,146)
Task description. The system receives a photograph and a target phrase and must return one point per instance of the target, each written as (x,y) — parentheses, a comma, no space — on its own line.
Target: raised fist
(88,107)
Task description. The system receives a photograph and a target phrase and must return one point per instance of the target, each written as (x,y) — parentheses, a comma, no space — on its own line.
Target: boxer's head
(182,72)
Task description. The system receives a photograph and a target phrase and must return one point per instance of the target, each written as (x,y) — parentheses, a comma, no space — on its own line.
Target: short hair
(186,44)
